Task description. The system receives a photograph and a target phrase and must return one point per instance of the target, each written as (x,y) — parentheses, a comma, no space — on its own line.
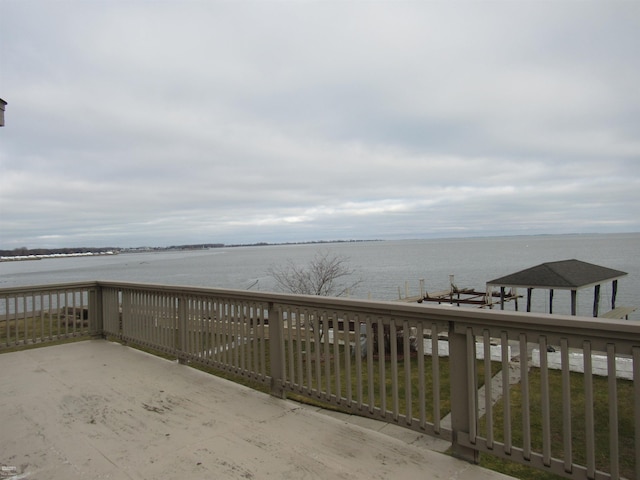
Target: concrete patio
(96,409)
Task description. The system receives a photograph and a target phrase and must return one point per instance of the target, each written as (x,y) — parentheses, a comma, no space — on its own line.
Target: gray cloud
(140,122)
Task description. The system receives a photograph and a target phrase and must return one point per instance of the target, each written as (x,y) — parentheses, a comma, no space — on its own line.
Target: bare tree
(326,274)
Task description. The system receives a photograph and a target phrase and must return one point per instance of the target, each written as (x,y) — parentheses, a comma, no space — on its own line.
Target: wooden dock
(456,296)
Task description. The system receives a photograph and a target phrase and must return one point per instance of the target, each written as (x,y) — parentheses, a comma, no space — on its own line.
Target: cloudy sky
(140,122)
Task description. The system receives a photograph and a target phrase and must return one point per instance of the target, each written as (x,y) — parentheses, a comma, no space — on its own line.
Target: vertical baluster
(234,334)
(566,406)
(546,415)
(382,365)
(25,309)
(590,454)
(488,397)
(298,345)
(36,318)
(406,344)
(506,392)
(422,399)
(216,333)
(435,373)
(370,369)
(242,334)
(10,317)
(189,324)
(204,329)
(74,313)
(524,381)
(164,314)
(237,334)
(144,317)
(225,332)
(337,338)
(50,313)
(7,313)
(152,323)
(317,349)
(44,302)
(128,326)
(255,338)
(614,451)
(135,317)
(59,297)
(358,360)
(228,345)
(326,343)
(251,327)
(42,308)
(393,337)
(198,328)
(347,362)
(472,385)
(308,356)
(16,319)
(5,301)
(261,340)
(223,347)
(246,338)
(172,321)
(161,317)
(213,329)
(165,320)
(291,345)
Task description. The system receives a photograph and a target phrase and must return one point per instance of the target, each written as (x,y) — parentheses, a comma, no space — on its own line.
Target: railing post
(276,354)
(96,317)
(462,396)
(181,340)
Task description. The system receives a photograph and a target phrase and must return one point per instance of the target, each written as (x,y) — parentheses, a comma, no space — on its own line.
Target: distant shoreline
(25,258)
(24,254)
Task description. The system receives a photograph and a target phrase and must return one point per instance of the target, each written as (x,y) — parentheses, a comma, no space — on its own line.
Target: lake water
(383,266)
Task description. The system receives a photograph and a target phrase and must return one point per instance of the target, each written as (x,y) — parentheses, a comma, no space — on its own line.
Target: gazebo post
(574,302)
(596,300)
(529,291)
(2,105)
(551,300)
(613,294)
(501,298)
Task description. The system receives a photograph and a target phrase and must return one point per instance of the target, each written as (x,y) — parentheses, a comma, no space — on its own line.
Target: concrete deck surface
(97,410)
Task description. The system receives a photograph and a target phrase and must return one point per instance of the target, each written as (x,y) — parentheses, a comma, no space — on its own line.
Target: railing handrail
(620,329)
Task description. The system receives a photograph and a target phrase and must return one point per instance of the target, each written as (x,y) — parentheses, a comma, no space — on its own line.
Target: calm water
(383,266)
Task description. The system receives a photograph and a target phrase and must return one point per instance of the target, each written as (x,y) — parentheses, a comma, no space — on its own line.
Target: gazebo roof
(564,274)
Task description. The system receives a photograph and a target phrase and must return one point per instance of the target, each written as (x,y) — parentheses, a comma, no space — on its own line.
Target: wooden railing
(557,393)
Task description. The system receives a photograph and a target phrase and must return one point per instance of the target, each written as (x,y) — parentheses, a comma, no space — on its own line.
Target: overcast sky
(136,122)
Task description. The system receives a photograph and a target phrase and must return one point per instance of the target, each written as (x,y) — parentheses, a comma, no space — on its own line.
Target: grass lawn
(38,329)
(601,415)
